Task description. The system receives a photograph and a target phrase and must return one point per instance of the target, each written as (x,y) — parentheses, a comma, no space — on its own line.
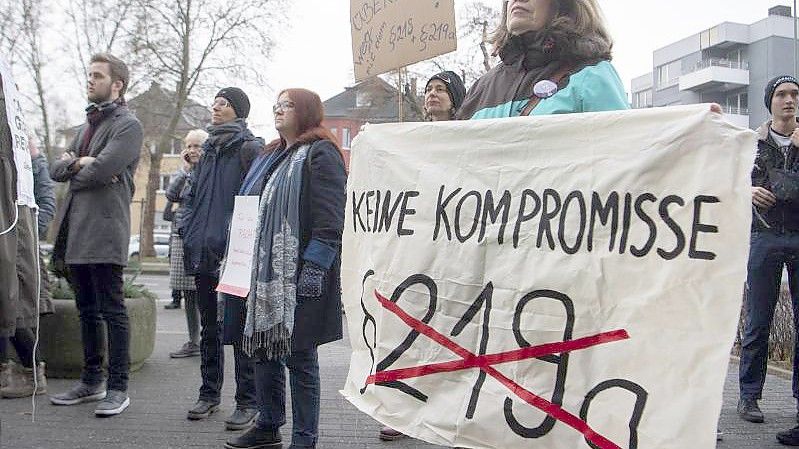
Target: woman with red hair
(294,304)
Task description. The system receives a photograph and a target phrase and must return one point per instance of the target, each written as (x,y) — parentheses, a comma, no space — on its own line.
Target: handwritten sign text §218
(388,34)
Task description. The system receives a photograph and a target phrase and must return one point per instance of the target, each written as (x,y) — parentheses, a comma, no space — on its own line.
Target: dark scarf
(96,114)
(558,43)
(222,136)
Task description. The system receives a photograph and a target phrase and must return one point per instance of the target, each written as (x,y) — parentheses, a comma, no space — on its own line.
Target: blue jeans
(768,253)
(99,297)
(305,391)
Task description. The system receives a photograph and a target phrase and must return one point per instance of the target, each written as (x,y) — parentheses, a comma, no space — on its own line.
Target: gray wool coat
(94,221)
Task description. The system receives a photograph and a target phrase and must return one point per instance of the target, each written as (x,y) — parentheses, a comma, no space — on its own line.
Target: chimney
(780,10)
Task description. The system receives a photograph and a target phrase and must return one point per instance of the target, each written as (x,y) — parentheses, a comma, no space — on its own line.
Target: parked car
(160,241)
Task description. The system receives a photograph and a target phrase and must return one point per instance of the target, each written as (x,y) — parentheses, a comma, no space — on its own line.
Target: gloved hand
(311,282)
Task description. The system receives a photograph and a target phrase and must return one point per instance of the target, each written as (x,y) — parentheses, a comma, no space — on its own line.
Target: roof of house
(372,100)
(153,108)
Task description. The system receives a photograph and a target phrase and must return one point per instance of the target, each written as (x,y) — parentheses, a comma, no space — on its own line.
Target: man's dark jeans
(305,392)
(768,253)
(99,297)
(212,363)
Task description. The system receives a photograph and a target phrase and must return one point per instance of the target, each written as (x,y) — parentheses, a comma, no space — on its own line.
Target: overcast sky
(315,50)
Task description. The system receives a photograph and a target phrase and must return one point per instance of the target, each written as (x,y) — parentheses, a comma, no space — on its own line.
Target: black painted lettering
(524,216)
(698,227)
(673,225)
(369,210)
(550,196)
(475,218)
(575,195)
(388,211)
(441,212)
(653,230)
(625,222)
(492,213)
(608,211)
(404,212)
(356,212)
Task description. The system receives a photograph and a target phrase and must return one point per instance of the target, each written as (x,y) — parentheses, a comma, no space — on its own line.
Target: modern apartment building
(728,64)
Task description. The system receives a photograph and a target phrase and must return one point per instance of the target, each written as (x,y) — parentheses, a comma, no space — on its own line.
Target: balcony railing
(735,110)
(721,62)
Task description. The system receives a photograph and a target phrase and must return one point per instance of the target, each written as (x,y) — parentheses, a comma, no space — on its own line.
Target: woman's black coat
(322,203)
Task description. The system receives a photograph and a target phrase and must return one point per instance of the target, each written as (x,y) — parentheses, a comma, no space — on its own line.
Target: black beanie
(774,84)
(238,100)
(455,87)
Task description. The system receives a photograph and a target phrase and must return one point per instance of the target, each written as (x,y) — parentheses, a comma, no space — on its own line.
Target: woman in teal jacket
(555,59)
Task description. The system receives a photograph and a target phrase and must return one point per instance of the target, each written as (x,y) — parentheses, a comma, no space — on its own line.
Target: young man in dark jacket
(94,231)
(227,155)
(775,239)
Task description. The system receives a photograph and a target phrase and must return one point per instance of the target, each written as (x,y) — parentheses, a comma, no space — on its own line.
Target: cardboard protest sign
(237,270)
(558,282)
(388,34)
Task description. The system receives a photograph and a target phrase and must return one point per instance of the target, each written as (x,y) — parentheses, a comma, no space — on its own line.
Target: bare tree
(183,44)
(22,38)
(95,27)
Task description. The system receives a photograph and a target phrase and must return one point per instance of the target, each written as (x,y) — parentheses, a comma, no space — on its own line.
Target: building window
(642,99)
(737,104)
(345,137)
(668,75)
(709,38)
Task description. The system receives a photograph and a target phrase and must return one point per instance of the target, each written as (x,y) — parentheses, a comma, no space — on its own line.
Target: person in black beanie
(227,154)
(775,240)
(443,95)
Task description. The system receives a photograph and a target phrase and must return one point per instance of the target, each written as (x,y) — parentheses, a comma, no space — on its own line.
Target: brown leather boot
(21,382)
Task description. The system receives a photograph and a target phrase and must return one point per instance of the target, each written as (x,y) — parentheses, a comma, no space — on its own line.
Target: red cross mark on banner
(486,364)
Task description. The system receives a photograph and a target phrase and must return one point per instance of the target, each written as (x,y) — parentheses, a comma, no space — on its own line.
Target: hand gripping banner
(553,282)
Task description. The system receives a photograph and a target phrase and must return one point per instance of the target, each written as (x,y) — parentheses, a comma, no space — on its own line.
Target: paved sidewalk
(164,388)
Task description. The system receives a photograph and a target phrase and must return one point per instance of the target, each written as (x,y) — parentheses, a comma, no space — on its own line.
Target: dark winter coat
(177,192)
(209,206)
(322,200)
(770,160)
(94,220)
(44,191)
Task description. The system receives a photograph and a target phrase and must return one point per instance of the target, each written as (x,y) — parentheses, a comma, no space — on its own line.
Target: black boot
(256,438)
(789,437)
(175,304)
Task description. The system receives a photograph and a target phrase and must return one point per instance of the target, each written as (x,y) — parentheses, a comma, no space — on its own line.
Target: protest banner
(389,34)
(19,137)
(237,269)
(548,282)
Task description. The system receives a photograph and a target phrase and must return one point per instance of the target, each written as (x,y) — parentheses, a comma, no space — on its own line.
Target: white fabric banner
(558,282)
(19,137)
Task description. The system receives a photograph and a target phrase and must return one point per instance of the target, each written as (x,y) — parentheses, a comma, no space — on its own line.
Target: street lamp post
(795,32)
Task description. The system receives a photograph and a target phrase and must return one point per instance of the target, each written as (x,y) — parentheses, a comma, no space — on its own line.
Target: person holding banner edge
(774,244)
(555,59)
(294,304)
(443,95)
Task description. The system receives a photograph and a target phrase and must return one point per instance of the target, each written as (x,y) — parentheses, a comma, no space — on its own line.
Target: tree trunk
(154,176)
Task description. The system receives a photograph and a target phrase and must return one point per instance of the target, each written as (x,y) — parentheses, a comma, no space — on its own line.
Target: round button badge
(545,89)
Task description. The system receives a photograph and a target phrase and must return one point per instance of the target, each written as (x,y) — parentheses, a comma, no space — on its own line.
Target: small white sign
(237,269)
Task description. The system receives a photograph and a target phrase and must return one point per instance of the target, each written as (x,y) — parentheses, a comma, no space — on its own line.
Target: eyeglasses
(283,106)
(222,103)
